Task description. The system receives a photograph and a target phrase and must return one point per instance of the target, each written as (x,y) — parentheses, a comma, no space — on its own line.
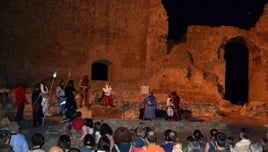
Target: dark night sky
(238,13)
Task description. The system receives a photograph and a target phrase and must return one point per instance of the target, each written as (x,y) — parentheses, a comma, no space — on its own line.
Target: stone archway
(236,75)
(100,70)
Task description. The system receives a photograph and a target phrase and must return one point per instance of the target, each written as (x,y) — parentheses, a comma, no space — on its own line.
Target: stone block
(99,111)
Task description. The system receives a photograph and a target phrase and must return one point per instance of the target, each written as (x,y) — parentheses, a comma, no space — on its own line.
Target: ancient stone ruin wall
(39,37)
(197,67)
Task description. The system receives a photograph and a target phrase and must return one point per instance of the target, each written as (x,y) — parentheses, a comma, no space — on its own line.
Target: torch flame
(54,75)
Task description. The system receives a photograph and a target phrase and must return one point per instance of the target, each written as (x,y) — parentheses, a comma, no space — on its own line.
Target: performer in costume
(20,101)
(84,86)
(70,96)
(150,104)
(36,105)
(170,108)
(108,99)
(60,94)
(176,105)
(45,97)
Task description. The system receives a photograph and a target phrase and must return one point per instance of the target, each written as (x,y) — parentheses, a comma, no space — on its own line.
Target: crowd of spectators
(84,135)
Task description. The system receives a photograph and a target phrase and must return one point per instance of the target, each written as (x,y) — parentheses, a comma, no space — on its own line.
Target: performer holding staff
(36,106)
(45,97)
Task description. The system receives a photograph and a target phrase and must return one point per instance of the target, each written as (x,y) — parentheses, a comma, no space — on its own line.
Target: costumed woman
(108,99)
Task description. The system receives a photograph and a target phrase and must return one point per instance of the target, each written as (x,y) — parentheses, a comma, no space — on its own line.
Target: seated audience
(139,142)
(96,131)
(106,130)
(87,128)
(193,146)
(6,148)
(122,138)
(210,145)
(170,137)
(89,144)
(4,136)
(221,140)
(151,140)
(177,146)
(264,142)
(64,142)
(255,147)
(189,140)
(230,143)
(55,149)
(17,140)
(202,141)
(38,141)
(75,129)
(103,144)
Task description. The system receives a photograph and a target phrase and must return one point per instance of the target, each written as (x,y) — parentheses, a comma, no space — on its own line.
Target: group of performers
(64,94)
(66,100)
(107,92)
(173,110)
(173,107)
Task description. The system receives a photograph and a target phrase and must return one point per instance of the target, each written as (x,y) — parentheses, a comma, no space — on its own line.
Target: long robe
(38,113)
(70,97)
(150,104)
(20,98)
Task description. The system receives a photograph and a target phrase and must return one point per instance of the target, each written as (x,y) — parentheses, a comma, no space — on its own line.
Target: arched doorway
(100,70)
(236,76)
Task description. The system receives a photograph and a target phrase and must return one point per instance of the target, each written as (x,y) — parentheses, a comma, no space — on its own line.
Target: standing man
(244,143)
(84,86)
(176,106)
(150,104)
(170,108)
(20,101)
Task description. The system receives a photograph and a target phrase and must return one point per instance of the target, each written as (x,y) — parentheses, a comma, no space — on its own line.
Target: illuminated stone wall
(39,37)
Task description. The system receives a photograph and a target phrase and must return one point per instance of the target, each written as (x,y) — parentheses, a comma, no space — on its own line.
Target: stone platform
(101,112)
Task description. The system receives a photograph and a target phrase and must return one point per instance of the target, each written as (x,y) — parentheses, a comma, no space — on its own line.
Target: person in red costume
(176,103)
(108,98)
(20,101)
